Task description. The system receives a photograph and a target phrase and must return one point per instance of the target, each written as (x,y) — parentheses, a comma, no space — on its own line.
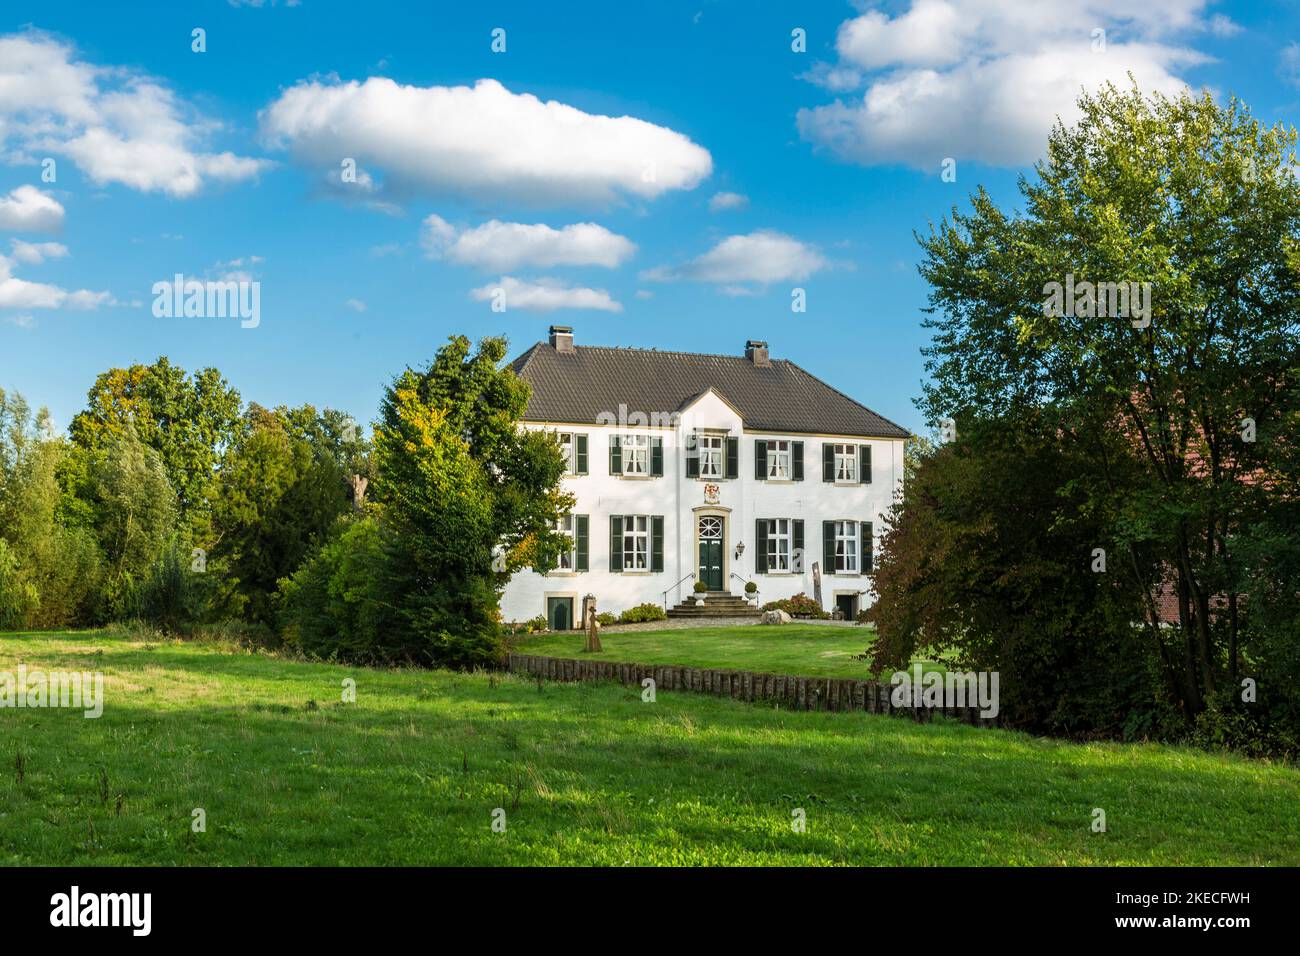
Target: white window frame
(635,450)
(847,547)
(636,542)
(778,460)
(565,525)
(846,464)
(569,448)
(711,452)
(779,538)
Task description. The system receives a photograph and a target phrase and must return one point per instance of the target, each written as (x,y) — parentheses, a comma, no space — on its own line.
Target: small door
(848,604)
(559,614)
(711,544)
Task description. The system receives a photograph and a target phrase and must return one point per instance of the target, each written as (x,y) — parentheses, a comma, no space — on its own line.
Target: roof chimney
(756,352)
(562,338)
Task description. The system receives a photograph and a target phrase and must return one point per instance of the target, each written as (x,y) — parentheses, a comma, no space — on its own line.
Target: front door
(711,530)
(848,605)
(559,613)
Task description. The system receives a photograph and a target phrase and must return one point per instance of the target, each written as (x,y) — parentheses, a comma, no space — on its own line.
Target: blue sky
(580,168)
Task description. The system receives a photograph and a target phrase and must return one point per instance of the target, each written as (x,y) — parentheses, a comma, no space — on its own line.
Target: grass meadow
(412,772)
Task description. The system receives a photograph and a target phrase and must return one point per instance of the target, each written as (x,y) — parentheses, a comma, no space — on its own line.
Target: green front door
(559,614)
(711,544)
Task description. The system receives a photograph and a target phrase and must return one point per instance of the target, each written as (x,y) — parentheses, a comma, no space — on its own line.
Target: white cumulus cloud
(761,258)
(27,209)
(723,201)
(482,141)
(18,293)
(34,253)
(116,124)
(497,246)
(544,295)
(985,80)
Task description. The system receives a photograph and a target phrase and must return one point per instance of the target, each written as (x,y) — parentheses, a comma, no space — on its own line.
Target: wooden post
(593,637)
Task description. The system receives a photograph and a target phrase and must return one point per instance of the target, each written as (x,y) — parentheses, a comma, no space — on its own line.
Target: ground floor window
(778,544)
(636,542)
(846,547)
(568,557)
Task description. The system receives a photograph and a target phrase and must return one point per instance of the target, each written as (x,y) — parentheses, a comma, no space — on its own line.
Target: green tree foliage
(187,419)
(460,483)
(980,568)
(134,512)
(335,606)
(1201,202)
(51,567)
(281,487)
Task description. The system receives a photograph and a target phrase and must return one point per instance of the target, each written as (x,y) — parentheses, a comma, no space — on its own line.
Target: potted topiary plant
(751,591)
(700,589)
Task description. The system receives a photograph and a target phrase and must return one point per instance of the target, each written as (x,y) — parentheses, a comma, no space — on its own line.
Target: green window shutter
(733,458)
(657,543)
(760,544)
(864,464)
(693,455)
(760,460)
(828,547)
(657,457)
(580,454)
(615,455)
(828,461)
(616,543)
(866,563)
(580,542)
(796,460)
(797,556)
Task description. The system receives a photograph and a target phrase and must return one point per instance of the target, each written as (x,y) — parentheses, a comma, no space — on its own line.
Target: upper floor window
(710,451)
(846,462)
(573,447)
(711,456)
(778,459)
(636,455)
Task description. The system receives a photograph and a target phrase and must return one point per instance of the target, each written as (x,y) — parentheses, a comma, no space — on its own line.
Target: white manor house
(719,468)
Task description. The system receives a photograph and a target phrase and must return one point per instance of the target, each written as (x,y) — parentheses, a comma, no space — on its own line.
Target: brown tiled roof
(580,385)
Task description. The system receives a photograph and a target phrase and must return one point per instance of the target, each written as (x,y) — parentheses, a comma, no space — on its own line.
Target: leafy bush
(333,607)
(642,613)
(801,605)
(1228,724)
(171,595)
(18,597)
(751,587)
(605,618)
(700,587)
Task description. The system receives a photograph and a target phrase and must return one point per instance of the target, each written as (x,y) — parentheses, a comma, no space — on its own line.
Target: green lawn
(804,650)
(587,774)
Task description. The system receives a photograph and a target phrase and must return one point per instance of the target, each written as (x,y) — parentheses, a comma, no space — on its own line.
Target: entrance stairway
(716,604)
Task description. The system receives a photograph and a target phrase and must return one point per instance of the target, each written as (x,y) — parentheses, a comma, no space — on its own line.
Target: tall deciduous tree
(1180,418)
(281,487)
(187,419)
(468,496)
